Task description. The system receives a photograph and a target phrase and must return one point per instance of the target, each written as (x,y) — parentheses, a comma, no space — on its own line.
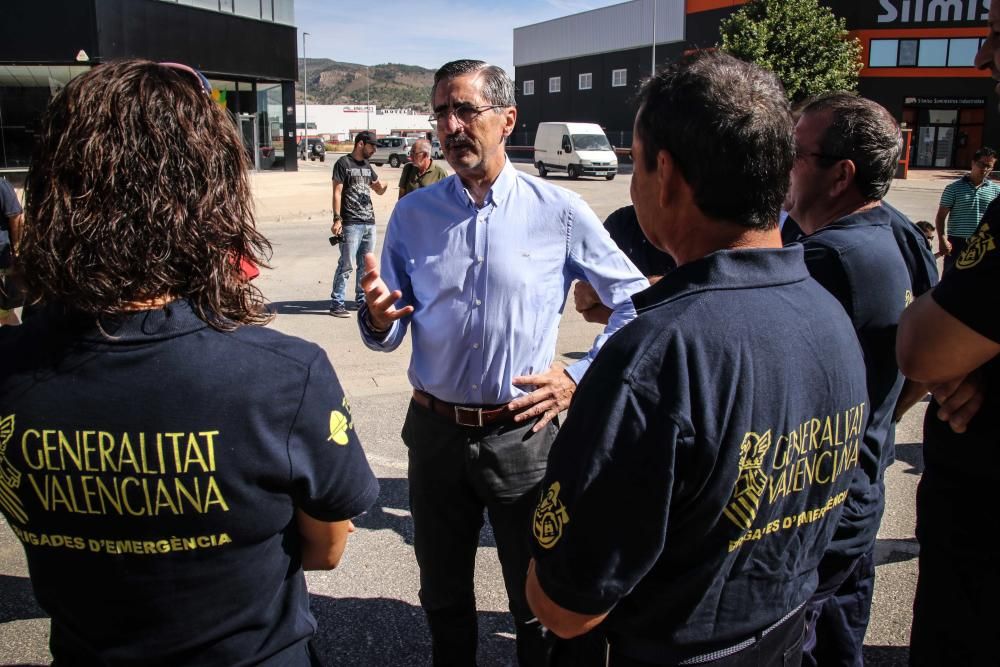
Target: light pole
(368,100)
(305,96)
(653,70)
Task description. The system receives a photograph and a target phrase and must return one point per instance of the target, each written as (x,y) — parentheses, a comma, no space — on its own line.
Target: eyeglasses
(465,113)
(415,154)
(206,85)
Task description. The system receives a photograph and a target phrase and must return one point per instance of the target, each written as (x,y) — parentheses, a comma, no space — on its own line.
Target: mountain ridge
(392,85)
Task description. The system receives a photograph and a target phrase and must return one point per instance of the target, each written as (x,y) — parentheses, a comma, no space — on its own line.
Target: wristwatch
(336,217)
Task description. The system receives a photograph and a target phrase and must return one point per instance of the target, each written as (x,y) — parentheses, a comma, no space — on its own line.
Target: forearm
(939,221)
(323,542)
(912,393)
(15,225)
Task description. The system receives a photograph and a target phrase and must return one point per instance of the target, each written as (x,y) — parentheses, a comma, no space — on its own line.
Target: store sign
(357,108)
(944,101)
(933,11)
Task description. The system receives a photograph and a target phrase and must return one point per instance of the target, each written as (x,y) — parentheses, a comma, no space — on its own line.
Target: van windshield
(591,142)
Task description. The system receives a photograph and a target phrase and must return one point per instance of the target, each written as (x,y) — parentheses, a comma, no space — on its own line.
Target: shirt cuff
(577,370)
(367,332)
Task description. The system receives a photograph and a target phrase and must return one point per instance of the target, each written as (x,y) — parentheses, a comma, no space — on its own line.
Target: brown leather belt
(463,415)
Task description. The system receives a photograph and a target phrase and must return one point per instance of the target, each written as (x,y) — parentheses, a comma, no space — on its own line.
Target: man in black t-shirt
(353,217)
(847,148)
(950,338)
(170,468)
(704,462)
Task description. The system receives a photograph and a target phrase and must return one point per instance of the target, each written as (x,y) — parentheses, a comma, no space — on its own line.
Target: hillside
(393,86)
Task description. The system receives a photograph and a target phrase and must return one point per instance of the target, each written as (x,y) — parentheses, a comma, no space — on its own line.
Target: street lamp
(305,95)
(368,100)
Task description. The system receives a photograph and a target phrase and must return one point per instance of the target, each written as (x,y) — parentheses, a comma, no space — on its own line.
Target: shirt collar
(174,319)
(727,269)
(501,188)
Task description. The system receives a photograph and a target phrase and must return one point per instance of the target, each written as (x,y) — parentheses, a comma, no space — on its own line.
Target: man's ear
(667,176)
(843,177)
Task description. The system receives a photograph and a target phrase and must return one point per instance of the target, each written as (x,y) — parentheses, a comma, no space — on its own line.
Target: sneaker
(339,311)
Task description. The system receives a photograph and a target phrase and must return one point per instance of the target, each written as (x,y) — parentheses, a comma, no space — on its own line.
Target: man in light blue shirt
(478,267)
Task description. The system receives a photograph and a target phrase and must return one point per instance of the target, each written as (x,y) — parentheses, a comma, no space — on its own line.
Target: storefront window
(883,53)
(907,53)
(962,52)
(933,53)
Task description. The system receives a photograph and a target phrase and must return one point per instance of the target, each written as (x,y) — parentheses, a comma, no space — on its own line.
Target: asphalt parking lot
(367,609)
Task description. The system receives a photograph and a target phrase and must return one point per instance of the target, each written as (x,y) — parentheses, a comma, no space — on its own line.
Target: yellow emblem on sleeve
(550,517)
(338,427)
(10,477)
(907,298)
(752,480)
(981,243)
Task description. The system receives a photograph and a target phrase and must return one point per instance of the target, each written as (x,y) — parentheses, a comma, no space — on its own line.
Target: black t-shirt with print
(705,457)
(969,293)
(152,473)
(859,261)
(356,197)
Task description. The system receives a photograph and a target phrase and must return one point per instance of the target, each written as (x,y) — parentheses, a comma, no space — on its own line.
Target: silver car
(394,150)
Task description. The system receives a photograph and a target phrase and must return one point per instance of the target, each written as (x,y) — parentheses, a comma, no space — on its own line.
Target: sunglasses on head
(203,81)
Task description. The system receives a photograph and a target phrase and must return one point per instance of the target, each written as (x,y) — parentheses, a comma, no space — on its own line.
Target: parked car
(316,150)
(436,152)
(394,150)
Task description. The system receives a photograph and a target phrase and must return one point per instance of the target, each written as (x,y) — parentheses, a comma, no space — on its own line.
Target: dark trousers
(957,246)
(837,614)
(780,647)
(955,613)
(455,472)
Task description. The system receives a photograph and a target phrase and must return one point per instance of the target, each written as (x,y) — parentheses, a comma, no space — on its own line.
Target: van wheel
(610,177)
(573,171)
(393,161)
(542,171)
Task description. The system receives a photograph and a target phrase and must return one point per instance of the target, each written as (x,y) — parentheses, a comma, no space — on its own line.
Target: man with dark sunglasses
(963,203)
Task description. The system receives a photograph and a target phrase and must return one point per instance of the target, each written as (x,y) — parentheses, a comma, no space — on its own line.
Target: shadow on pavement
(886,656)
(392,511)
(888,551)
(390,633)
(321,307)
(913,455)
(17,600)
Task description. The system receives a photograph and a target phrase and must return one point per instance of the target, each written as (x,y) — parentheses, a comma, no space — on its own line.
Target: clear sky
(428,33)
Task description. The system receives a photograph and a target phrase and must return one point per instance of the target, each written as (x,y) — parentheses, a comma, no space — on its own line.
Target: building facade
(917,61)
(246,48)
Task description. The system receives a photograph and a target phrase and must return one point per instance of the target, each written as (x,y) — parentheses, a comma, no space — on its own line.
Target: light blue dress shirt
(488,285)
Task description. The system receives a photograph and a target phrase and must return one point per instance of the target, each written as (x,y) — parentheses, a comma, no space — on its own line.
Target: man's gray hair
(863,132)
(497,87)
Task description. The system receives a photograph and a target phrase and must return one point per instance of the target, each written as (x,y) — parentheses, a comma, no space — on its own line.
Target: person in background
(420,171)
(11,219)
(353,217)
(926,228)
(170,466)
(963,203)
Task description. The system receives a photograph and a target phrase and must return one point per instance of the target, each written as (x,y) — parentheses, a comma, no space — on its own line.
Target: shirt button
(479,260)
(475,386)
(478,302)
(475,346)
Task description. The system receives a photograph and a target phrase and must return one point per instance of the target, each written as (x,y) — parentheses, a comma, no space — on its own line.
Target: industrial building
(917,62)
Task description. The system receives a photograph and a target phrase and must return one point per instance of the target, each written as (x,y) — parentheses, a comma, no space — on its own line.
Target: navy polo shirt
(705,458)
(969,293)
(623,226)
(152,473)
(917,255)
(857,259)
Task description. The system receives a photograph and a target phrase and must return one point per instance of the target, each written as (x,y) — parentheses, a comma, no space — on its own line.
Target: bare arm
(16,223)
(323,542)
(912,393)
(338,191)
(565,623)
(933,346)
(944,246)
(379,187)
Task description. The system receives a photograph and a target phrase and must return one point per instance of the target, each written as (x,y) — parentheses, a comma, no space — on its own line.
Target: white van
(579,149)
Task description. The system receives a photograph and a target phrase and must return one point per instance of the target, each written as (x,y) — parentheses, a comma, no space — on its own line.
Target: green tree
(804,44)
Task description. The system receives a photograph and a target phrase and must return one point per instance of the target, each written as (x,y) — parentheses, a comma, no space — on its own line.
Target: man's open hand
(380,300)
(553,390)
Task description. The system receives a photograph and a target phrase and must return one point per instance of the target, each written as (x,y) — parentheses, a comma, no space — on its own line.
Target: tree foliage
(804,44)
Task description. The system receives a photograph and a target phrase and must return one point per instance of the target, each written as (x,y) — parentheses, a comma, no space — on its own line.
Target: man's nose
(984,58)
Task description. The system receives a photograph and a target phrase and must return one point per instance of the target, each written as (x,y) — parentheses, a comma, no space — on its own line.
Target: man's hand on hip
(380,300)
(553,391)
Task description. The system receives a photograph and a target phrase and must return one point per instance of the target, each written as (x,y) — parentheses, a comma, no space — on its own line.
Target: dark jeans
(957,246)
(837,614)
(781,647)
(955,613)
(455,472)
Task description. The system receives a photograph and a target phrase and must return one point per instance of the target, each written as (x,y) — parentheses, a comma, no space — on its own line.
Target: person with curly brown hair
(169,467)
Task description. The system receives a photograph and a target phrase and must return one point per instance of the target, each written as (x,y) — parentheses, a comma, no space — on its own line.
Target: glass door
(248,129)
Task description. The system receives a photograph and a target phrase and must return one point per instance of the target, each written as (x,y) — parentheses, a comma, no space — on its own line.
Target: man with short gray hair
(478,268)
(847,148)
(420,171)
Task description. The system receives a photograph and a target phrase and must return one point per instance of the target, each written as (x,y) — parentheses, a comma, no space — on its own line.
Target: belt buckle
(461,409)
